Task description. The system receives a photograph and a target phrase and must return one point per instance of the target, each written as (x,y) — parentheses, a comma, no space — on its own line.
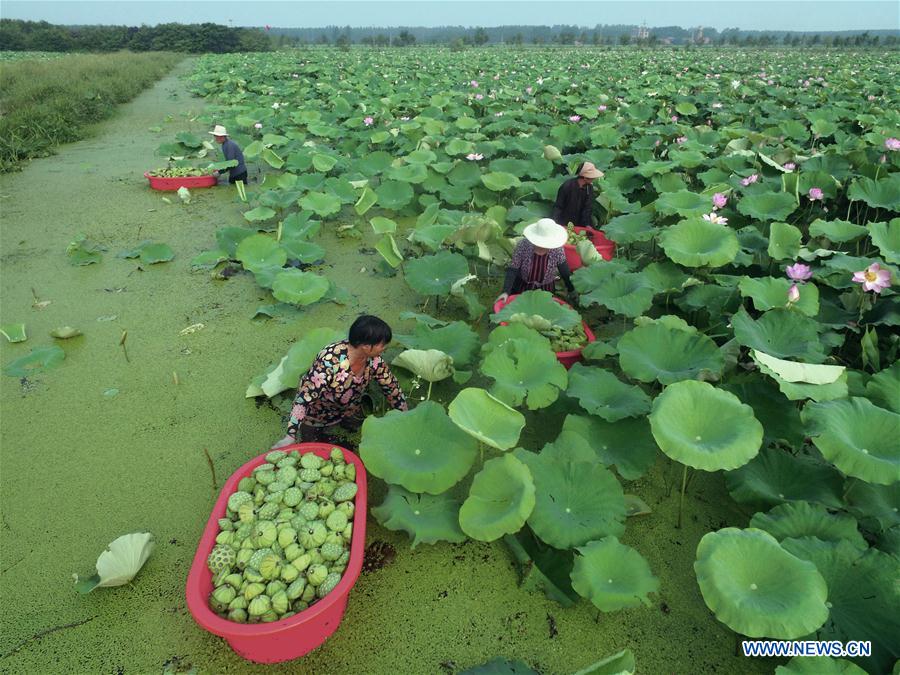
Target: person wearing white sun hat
(575,198)
(231,150)
(537,261)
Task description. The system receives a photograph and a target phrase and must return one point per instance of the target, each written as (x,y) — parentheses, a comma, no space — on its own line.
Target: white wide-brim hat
(219,130)
(546,233)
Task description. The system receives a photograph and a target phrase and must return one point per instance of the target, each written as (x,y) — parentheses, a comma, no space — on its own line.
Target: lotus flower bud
(552,153)
(316,574)
(247,512)
(238,615)
(265,477)
(308,510)
(302,562)
(247,484)
(326,470)
(253,590)
(259,496)
(310,460)
(289,573)
(295,590)
(275,586)
(338,473)
(280,602)
(259,605)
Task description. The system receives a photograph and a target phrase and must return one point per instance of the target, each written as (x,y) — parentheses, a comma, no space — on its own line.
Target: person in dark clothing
(231,150)
(575,198)
(537,260)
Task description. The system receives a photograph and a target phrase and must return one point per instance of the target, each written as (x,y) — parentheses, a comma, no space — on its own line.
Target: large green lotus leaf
(784,241)
(791,371)
(703,427)
(878,503)
(863,596)
(500,501)
(299,226)
(304,251)
(374,163)
(603,394)
(435,274)
(259,251)
(420,449)
(575,502)
(658,352)
(455,339)
(427,519)
(631,227)
(858,437)
(780,418)
(286,373)
(432,236)
(432,365)
(698,243)
(802,519)
(881,194)
(612,576)
(837,230)
(627,444)
(886,236)
(465,174)
(771,292)
(260,213)
(542,304)
(767,205)
(498,181)
(758,589)
(486,418)
(627,293)
(683,203)
(782,333)
(525,371)
(884,388)
(299,288)
(394,194)
(322,162)
(409,173)
(819,665)
(664,277)
(37,361)
(775,476)
(321,203)
(516,331)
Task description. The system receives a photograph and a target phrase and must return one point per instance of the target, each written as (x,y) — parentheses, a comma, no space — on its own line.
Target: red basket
(299,634)
(568,359)
(604,247)
(159,183)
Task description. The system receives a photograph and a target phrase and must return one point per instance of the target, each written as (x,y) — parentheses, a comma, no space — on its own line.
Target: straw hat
(546,233)
(590,171)
(219,130)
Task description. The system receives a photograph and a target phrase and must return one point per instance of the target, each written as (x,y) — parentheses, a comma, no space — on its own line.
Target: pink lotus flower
(873,278)
(815,194)
(528,90)
(715,219)
(789,166)
(258,125)
(474,84)
(574,118)
(674,118)
(681,139)
(478,97)
(798,272)
(749,180)
(793,294)
(601,108)
(719,200)
(368,121)
(474,156)
(892,144)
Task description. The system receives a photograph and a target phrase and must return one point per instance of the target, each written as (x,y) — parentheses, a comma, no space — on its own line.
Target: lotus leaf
(304,251)
(768,205)
(597,351)
(837,230)
(780,419)
(612,576)
(620,663)
(780,333)
(697,243)
(260,213)
(14,332)
(486,418)
(879,194)
(543,568)
(575,502)
(119,563)
(37,361)
(366,201)
(876,506)
(659,352)
(82,251)
(387,247)
(435,274)
(684,203)
(819,665)
(628,294)
(394,194)
(228,239)
(383,225)
(259,252)
(432,365)
(299,288)
(802,519)
(758,589)
(455,339)
(420,449)
(286,373)
(797,391)
(884,388)
(525,371)
(704,427)
(886,236)
(770,292)
(207,260)
(784,241)
(631,227)
(601,393)
(664,277)
(498,181)
(500,500)
(542,304)
(858,437)
(774,477)
(513,332)
(321,203)
(427,519)
(791,371)
(627,443)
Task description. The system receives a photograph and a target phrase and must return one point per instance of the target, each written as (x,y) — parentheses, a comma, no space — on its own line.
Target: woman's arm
(382,374)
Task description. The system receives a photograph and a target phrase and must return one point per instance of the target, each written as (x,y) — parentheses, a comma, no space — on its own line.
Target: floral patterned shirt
(525,266)
(330,391)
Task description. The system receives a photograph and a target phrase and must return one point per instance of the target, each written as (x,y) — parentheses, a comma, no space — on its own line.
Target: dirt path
(102,446)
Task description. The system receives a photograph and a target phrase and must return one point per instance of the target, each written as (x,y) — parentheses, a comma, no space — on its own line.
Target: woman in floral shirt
(331,391)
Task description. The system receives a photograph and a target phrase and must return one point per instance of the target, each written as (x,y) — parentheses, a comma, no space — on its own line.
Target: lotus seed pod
(270,566)
(302,562)
(238,615)
(309,593)
(325,510)
(257,557)
(334,538)
(276,548)
(316,574)
(312,493)
(243,557)
(331,552)
(287,475)
(252,575)
(265,476)
(310,460)
(338,473)
(345,492)
(336,521)
(292,496)
(221,558)
(328,585)
(338,569)
(275,456)
(265,533)
(348,532)
(289,573)
(225,538)
(303,485)
(243,531)
(226,525)
(313,535)
(350,472)
(287,537)
(234,580)
(247,512)
(294,551)
(277,486)
(239,602)
(336,455)
(300,605)
(316,556)
(344,559)
(285,515)
(267,511)
(347,509)
(253,590)
(274,498)
(326,469)
(290,460)
(326,487)
(288,615)
(310,475)
(295,590)
(259,605)
(238,498)
(248,543)
(247,484)
(308,510)
(259,496)
(221,596)
(275,586)
(280,602)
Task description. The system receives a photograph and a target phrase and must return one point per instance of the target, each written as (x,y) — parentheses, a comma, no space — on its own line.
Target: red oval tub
(604,246)
(160,183)
(569,358)
(299,634)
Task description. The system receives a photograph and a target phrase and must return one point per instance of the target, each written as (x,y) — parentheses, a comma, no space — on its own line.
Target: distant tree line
(41,36)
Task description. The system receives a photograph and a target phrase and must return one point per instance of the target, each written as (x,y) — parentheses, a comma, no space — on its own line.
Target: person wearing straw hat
(537,261)
(231,150)
(575,198)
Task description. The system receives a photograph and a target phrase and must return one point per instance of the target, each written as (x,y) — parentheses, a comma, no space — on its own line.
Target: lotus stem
(851,483)
(122,344)
(428,395)
(211,468)
(681,499)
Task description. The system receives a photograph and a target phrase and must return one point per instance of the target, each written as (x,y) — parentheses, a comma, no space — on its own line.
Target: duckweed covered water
(102,446)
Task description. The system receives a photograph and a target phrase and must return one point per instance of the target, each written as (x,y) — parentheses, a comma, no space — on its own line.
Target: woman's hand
(287,440)
(503,297)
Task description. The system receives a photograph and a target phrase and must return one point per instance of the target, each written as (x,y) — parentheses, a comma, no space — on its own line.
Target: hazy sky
(813,15)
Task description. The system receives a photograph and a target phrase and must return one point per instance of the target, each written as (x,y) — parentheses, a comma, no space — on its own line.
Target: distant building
(642,32)
(698,38)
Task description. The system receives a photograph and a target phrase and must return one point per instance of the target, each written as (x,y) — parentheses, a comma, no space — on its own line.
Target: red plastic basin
(299,634)
(159,183)
(569,358)
(604,247)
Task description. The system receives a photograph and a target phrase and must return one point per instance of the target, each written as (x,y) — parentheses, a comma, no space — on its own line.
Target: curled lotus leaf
(500,500)
(603,394)
(299,288)
(525,371)
(699,243)
(486,418)
(120,562)
(455,339)
(886,236)
(659,352)
(426,518)
(15,332)
(432,365)
(884,388)
(857,436)
(286,373)
(435,274)
(791,371)
(802,519)
(612,575)
(258,252)
(758,589)
(704,427)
